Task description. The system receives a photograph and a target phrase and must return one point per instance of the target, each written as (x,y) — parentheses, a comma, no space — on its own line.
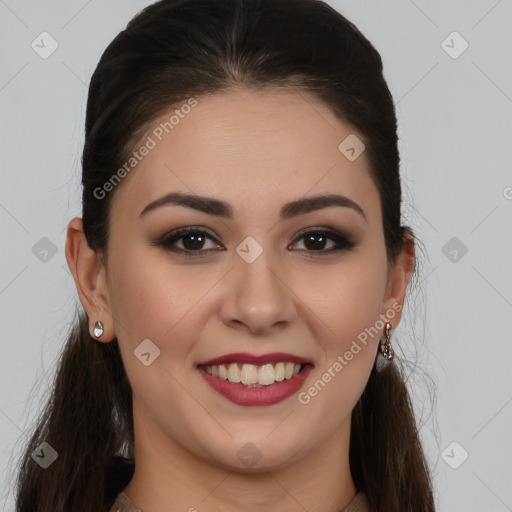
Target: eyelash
(166,242)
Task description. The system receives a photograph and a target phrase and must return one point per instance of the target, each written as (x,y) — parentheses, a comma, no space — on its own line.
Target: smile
(254,393)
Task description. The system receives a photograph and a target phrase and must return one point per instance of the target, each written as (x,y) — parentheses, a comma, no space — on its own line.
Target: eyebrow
(219,208)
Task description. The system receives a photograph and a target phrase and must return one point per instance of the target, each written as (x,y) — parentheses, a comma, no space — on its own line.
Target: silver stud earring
(98,329)
(385,346)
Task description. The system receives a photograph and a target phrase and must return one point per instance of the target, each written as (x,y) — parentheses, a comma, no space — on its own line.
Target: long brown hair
(170,51)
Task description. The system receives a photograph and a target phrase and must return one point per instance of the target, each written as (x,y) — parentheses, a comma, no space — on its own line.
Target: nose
(257,298)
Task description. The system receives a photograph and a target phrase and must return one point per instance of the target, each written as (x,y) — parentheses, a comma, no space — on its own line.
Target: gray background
(455,124)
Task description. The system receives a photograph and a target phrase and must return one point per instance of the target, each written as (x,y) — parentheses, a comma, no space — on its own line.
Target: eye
(192,241)
(316,240)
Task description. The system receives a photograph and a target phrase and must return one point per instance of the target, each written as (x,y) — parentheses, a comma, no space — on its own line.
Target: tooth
(279,370)
(266,375)
(252,375)
(288,370)
(249,374)
(234,373)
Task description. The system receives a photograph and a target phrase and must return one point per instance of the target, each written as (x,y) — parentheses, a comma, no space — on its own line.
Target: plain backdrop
(448,65)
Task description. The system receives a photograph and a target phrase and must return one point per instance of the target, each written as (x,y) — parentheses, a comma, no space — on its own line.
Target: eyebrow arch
(219,208)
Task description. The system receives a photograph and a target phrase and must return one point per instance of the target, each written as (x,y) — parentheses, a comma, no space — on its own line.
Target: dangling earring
(98,329)
(385,346)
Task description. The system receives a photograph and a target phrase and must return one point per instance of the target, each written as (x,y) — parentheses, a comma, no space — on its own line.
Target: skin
(256,151)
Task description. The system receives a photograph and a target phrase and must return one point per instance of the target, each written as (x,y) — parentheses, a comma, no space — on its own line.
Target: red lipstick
(242,394)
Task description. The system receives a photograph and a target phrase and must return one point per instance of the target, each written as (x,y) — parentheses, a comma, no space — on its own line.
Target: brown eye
(316,241)
(192,241)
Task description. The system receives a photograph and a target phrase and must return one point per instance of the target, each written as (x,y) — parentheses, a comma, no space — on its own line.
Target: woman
(241,265)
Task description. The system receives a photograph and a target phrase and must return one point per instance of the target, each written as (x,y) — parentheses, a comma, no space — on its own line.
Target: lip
(256,396)
(244,357)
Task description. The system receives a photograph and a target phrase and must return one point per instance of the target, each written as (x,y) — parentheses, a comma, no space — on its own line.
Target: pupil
(309,238)
(196,239)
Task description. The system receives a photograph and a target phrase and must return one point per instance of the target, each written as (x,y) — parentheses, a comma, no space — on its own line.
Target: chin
(258,455)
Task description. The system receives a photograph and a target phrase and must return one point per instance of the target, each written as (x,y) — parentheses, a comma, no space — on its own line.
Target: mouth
(245,379)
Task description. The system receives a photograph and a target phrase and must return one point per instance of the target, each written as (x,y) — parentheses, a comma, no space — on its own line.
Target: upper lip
(243,357)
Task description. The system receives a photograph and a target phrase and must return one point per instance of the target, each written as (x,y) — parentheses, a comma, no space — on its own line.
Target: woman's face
(248,280)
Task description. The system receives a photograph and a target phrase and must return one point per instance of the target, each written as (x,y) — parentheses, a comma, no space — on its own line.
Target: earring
(385,346)
(98,329)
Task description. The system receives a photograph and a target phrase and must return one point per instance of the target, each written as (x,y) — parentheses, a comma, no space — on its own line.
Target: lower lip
(264,395)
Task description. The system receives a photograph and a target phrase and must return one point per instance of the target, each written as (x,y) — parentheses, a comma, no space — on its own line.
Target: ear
(89,273)
(399,275)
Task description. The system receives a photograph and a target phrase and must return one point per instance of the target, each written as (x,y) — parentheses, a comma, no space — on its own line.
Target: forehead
(249,148)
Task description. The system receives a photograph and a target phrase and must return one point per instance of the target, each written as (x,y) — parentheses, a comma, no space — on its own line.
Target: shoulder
(123,504)
(358,504)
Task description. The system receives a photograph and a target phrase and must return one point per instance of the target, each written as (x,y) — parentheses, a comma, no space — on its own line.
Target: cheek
(166,303)
(351,300)
(152,299)
(149,295)
(351,312)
